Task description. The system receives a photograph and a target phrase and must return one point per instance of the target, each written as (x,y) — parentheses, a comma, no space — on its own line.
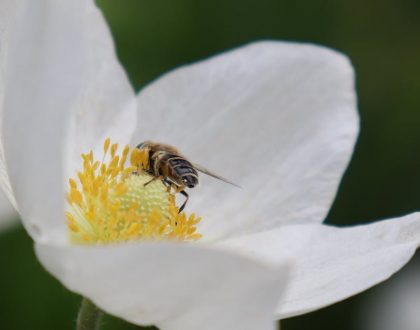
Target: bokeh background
(382,38)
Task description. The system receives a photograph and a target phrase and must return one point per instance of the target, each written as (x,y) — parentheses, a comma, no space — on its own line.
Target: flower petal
(174,286)
(107,106)
(8,214)
(277,118)
(330,263)
(62,81)
(9,10)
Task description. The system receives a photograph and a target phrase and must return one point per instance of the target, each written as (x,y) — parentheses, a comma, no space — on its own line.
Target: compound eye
(140,145)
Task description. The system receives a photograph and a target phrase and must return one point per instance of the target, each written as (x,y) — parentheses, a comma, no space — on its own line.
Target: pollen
(113,200)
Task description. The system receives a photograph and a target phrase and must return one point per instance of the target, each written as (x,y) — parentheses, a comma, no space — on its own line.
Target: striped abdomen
(182,171)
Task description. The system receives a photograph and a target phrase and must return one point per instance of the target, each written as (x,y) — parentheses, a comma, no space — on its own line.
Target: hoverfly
(175,171)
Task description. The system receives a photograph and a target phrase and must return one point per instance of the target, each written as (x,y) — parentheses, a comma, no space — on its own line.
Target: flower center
(112,202)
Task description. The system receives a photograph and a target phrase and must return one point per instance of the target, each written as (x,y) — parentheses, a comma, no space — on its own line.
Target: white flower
(278,118)
(8,215)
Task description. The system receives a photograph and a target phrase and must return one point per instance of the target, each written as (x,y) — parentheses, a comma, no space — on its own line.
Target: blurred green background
(382,38)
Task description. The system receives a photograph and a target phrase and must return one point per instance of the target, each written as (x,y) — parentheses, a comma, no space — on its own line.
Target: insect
(175,171)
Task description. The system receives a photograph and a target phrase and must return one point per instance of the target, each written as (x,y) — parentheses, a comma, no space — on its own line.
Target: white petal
(9,10)
(8,214)
(107,105)
(174,286)
(62,79)
(277,118)
(330,263)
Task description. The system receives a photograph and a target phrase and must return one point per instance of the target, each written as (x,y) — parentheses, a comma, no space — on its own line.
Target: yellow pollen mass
(109,202)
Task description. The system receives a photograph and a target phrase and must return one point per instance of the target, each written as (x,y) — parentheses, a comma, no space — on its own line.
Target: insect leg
(183,192)
(168,184)
(153,179)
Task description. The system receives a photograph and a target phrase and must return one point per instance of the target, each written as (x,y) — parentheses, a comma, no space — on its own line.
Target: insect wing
(209,173)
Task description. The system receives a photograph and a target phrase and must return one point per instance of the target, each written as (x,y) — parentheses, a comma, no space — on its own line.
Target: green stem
(89,317)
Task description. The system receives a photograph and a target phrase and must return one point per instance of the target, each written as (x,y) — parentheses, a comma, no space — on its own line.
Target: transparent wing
(209,173)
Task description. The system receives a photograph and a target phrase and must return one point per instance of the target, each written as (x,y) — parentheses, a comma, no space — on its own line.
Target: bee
(169,165)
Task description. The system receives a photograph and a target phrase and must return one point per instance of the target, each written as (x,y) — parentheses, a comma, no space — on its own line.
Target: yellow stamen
(72,183)
(109,202)
(106,145)
(114,148)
